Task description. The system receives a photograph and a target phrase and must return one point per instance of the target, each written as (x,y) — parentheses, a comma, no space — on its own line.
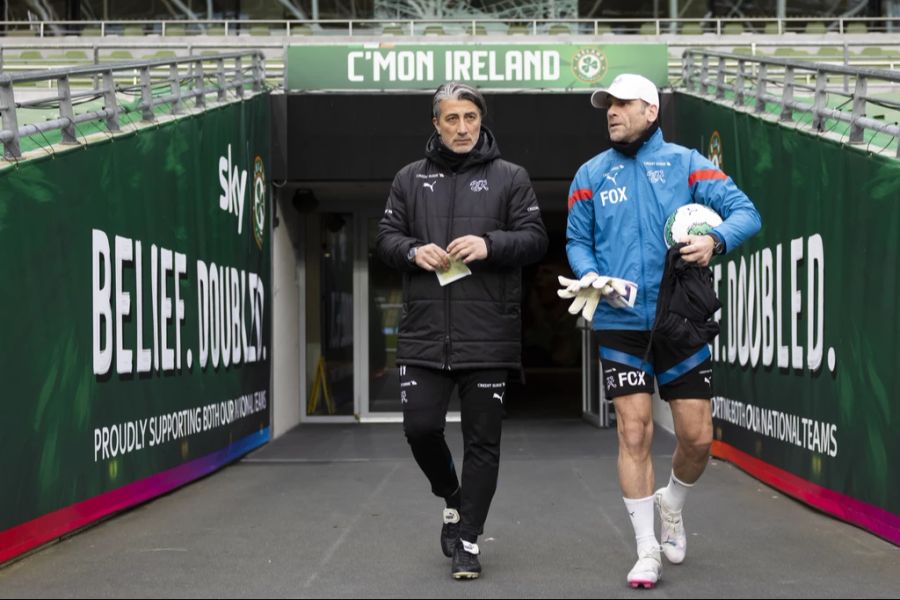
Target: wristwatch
(719,243)
(411,255)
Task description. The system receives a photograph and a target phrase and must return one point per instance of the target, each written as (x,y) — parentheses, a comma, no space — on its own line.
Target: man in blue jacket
(618,205)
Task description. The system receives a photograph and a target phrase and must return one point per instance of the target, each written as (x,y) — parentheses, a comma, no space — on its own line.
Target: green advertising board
(389,66)
(135,315)
(808,353)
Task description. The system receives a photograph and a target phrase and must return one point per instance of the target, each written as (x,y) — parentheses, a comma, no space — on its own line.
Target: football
(690,219)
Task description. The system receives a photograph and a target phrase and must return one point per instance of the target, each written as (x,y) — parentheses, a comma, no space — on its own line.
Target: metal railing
(104,52)
(747,80)
(472,26)
(867,51)
(179,79)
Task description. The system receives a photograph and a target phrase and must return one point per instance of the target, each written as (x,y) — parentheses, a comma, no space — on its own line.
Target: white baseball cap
(627,86)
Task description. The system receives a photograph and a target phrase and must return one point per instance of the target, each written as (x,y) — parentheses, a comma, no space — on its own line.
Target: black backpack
(687,302)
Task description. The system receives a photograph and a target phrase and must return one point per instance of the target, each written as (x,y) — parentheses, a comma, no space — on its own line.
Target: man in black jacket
(461,203)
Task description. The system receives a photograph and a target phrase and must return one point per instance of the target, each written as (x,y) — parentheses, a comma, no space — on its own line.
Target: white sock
(676,493)
(641,511)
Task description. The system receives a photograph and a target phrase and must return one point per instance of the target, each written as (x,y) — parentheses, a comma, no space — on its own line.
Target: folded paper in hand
(456,271)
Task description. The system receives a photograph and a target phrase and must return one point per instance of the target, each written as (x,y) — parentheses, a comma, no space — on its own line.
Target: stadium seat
(163,54)
(830,51)
(604,29)
(133,30)
(31,55)
(874,51)
(27,32)
(301,30)
(176,30)
(648,29)
(856,27)
(76,55)
(260,30)
(518,29)
(733,28)
(790,52)
(434,30)
(120,55)
(815,28)
(392,29)
(771,28)
(558,29)
(215,30)
(690,29)
(90,31)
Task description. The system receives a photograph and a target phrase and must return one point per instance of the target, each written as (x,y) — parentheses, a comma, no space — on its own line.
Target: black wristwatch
(719,243)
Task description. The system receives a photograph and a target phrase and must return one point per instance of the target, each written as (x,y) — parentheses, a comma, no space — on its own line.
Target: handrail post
(66,110)
(239,77)
(702,85)
(176,88)
(761,88)
(146,96)
(859,111)
(819,102)
(199,84)
(257,77)
(787,96)
(220,80)
(8,118)
(739,85)
(720,79)
(687,69)
(110,103)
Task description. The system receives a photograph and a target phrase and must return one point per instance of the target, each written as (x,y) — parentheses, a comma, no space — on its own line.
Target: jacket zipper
(641,238)
(448,344)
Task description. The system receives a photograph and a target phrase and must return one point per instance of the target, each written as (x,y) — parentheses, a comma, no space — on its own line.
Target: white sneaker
(647,570)
(672,537)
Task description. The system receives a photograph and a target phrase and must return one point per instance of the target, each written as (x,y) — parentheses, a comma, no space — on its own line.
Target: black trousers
(425,397)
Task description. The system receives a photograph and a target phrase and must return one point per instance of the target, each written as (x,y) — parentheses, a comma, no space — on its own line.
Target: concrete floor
(342,511)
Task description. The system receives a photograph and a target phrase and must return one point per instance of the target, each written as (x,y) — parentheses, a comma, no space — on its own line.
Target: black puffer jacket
(474,322)
(687,302)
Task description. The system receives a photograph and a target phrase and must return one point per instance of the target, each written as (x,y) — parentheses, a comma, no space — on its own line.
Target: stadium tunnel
(802,391)
(334,157)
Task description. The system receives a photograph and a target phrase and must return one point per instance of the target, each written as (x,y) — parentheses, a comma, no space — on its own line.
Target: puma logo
(500,397)
(708,382)
(430,186)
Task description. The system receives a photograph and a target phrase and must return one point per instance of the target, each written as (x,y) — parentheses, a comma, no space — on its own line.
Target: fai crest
(715,150)
(589,65)
(259,201)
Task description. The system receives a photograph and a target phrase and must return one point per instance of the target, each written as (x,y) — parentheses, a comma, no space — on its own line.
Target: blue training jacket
(618,208)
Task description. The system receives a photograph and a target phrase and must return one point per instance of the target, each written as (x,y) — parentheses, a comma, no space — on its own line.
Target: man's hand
(699,249)
(432,257)
(468,248)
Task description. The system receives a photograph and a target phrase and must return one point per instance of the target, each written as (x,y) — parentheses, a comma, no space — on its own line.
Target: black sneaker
(465,563)
(450,531)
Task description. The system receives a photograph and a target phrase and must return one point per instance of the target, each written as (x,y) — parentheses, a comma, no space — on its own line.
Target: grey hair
(455,90)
